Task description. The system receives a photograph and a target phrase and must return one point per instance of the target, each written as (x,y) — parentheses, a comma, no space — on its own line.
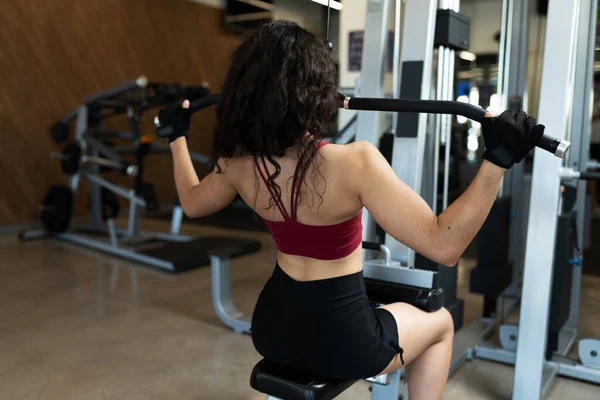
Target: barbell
(72,158)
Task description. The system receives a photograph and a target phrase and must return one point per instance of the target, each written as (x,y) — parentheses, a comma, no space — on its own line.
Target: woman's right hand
(510,137)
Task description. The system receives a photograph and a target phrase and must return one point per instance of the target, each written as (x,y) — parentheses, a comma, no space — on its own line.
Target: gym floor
(81,325)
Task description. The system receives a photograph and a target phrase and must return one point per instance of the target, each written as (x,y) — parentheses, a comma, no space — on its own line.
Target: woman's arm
(402,213)
(198,198)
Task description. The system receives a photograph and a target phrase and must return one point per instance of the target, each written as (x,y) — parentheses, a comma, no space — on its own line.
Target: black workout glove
(510,137)
(174,122)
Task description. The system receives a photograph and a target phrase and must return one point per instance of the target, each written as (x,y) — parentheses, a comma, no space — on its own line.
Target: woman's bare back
(328,198)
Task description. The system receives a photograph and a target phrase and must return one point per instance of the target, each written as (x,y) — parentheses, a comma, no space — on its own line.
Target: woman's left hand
(176,119)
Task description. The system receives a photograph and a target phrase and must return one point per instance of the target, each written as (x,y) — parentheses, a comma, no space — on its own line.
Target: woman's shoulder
(234,164)
(354,153)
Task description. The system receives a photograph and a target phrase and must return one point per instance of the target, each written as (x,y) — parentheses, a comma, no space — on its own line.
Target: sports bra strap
(278,203)
(295,193)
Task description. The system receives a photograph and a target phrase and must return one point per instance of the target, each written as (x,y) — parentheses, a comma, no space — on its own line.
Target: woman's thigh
(417,330)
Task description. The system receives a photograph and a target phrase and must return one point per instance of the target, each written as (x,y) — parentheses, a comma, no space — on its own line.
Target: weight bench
(281,382)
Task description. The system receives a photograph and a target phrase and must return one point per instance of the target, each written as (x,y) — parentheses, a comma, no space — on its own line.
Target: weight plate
(57,209)
(110,205)
(589,352)
(148,193)
(71,158)
(59,132)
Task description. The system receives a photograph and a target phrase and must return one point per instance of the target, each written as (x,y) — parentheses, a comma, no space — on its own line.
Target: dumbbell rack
(83,160)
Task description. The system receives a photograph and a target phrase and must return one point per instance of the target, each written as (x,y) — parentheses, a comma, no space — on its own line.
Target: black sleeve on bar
(206,101)
(418,106)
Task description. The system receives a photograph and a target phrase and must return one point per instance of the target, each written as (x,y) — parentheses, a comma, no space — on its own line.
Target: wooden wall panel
(53,53)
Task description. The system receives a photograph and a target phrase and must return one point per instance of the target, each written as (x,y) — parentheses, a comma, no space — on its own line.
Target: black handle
(592,176)
(371,246)
(416,106)
(555,146)
(164,131)
(203,102)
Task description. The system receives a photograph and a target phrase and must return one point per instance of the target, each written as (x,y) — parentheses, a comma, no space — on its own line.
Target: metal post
(409,144)
(395,389)
(112,233)
(227,312)
(437,132)
(446,128)
(396,61)
(503,61)
(134,217)
(176,218)
(531,374)
(375,46)
(580,133)
(516,88)
(95,190)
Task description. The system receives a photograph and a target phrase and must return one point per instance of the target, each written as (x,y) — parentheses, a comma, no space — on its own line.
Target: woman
(277,101)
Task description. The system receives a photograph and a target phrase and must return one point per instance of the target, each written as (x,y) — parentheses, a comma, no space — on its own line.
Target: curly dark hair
(281,85)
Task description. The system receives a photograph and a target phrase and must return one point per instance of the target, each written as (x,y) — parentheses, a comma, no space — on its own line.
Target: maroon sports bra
(329,242)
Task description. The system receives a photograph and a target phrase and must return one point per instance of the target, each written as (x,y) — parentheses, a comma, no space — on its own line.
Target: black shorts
(325,327)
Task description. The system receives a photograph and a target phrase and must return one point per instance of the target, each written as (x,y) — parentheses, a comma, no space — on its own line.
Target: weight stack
(493,273)
(241,16)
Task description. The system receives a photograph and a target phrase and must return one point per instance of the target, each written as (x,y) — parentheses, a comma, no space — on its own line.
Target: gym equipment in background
(278,381)
(90,154)
(553,232)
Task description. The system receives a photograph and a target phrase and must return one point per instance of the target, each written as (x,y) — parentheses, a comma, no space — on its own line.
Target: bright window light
(336,5)
(494,106)
(472,143)
(474,96)
(459,118)
(466,55)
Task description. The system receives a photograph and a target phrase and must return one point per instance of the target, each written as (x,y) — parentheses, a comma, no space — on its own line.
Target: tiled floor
(79,325)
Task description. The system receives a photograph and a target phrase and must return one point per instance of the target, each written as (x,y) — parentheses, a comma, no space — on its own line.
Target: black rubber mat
(194,254)
(230,218)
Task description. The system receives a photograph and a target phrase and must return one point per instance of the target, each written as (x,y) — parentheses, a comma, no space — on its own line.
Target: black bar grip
(592,176)
(555,146)
(205,101)
(197,105)
(142,81)
(371,246)
(416,106)
(549,143)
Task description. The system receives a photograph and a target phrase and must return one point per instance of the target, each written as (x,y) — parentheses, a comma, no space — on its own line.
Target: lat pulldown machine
(384,273)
